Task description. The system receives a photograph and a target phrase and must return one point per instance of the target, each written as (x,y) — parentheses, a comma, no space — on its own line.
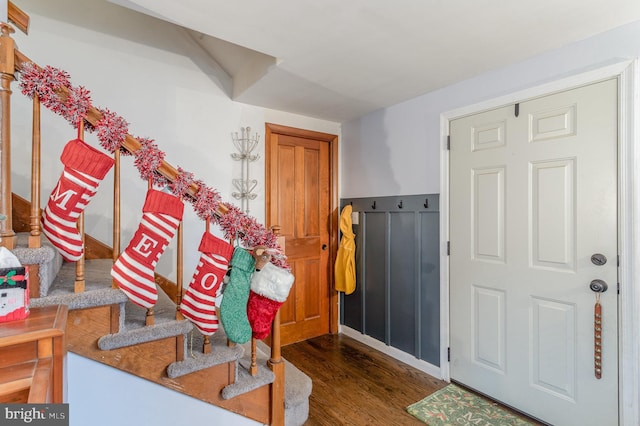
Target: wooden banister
(18,17)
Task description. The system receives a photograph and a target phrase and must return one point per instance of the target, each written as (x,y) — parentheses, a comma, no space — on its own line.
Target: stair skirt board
(196,360)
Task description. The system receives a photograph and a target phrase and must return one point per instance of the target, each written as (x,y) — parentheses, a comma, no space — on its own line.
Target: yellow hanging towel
(345,268)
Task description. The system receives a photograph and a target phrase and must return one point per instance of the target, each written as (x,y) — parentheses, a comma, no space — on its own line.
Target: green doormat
(452,405)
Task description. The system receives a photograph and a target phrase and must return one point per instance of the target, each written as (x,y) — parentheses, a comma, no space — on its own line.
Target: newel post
(7,52)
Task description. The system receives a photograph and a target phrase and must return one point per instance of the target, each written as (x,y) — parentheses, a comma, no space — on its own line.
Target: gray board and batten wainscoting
(397,296)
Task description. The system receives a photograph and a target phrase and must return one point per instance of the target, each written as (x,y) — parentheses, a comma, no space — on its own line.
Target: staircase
(156,344)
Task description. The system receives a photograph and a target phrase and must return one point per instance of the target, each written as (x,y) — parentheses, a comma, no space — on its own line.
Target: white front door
(532,198)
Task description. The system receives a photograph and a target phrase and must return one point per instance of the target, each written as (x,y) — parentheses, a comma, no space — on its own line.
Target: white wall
(396,150)
(99,395)
(154,76)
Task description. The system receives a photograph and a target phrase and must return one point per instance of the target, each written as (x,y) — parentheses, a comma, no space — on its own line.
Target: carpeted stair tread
(297,390)
(98,289)
(135,331)
(245,382)
(297,387)
(196,360)
(46,257)
(86,299)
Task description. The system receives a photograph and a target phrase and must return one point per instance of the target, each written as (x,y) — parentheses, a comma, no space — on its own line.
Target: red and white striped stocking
(84,169)
(134,269)
(199,301)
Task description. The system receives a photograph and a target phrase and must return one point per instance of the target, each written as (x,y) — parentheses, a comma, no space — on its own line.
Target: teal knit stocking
(233,308)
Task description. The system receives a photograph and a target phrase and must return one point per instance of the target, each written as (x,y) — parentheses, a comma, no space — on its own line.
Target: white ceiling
(340,59)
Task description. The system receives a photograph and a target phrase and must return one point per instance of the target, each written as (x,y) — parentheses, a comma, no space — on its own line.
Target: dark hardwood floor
(354,384)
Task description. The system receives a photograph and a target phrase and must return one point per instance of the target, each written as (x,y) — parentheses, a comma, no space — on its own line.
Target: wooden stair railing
(18,17)
(12,60)
(7,67)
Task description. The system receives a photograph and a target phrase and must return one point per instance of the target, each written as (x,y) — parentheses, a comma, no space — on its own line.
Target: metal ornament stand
(245,144)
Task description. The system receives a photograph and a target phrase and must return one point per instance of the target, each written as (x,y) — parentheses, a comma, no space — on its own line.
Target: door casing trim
(628,75)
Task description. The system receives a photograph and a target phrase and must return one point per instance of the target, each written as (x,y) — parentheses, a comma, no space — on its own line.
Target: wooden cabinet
(32,357)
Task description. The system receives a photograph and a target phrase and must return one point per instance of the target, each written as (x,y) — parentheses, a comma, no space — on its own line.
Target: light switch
(355,218)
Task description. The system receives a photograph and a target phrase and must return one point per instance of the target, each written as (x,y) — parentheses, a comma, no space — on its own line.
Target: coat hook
(426,203)
(373,206)
(400,205)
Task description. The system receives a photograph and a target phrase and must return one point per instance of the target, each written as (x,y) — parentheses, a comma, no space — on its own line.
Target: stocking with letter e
(134,269)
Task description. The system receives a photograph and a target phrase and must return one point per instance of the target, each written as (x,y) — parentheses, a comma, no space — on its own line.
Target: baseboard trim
(408,359)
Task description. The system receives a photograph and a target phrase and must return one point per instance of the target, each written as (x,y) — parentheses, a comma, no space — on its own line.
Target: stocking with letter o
(199,302)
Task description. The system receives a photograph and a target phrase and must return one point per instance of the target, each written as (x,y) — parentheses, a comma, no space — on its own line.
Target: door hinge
(448,248)
(448,354)
(517,110)
(618,288)
(448,142)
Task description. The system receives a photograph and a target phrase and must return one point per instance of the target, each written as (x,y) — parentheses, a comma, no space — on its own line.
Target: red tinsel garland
(77,104)
(181,184)
(207,201)
(148,158)
(112,131)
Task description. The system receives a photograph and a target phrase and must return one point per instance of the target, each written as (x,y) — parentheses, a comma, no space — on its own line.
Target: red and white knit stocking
(199,301)
(84,169)
(134,269)
(270,288)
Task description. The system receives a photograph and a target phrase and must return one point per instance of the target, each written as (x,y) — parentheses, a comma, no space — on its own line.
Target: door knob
(324,247)
(598,286)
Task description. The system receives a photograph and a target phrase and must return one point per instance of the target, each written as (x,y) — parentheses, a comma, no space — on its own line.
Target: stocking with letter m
(84,168)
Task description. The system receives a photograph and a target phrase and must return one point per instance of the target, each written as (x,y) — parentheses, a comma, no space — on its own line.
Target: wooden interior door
(301,200)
